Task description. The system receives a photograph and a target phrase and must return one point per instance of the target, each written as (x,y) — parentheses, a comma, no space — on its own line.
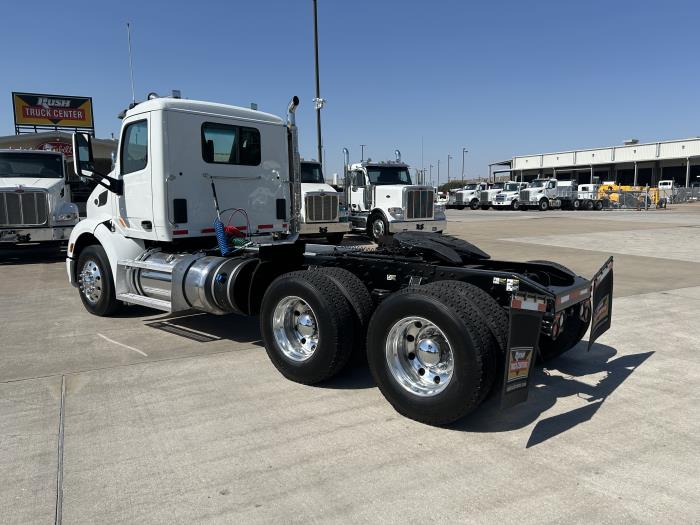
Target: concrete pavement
(180,420)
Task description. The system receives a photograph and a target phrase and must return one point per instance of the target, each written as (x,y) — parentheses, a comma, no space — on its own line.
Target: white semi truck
(509,196)
(383,200)
(202,212)
(321,211)
(487,196)
(35,199)
(467,196)
(543,194)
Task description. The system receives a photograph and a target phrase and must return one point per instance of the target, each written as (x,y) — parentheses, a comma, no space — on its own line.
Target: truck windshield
(311,173)
(498,186)
(538,183)
(512,186)
(470,187)
(40,165)
(381,175)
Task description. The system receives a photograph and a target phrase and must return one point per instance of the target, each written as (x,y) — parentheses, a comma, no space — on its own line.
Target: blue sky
(499,78)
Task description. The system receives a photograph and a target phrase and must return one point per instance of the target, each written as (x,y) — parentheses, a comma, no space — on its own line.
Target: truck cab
(509,196)
(543,194)
(383,200)
(35,198)
(487,196)
(321,212)
(468,196)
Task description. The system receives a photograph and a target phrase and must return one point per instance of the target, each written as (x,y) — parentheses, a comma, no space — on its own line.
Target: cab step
(132,298)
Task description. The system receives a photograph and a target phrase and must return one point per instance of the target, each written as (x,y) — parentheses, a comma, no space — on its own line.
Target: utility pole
(464,150)
(318,101)
(438,168)
(431,174)
(362,147)
(448,168)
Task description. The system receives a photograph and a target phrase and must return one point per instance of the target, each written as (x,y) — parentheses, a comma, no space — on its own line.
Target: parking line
(122,344)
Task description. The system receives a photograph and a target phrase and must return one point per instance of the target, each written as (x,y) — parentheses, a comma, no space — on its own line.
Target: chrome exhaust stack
(397,154)
(294,165)
(346,178)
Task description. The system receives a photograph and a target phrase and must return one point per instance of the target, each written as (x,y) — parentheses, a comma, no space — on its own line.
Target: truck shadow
(32,254)
(567,381)
(204,328)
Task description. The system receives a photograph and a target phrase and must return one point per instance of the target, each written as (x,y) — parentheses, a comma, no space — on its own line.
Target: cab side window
(225,144)
(134,155)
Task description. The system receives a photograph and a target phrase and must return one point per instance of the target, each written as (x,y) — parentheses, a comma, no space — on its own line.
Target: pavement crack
(59,467)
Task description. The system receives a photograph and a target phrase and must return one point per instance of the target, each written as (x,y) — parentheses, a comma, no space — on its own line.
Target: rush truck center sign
(56,111)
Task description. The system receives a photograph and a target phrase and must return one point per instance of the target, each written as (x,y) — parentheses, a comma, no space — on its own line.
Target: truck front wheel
(474,204)
(95,282)
(304,321)
(377,227)
(544,205)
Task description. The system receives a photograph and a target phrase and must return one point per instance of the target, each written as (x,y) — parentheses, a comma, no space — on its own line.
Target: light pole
(362,147)
(318,101)
(438,168)
(431,174)
(448,168)
(464,151)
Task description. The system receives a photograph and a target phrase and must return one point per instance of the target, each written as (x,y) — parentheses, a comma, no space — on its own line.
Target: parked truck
(321,210)
(35,198)
(202,212)
(509,196)
(467,196)
(383,200)
(543,194)
(487,196)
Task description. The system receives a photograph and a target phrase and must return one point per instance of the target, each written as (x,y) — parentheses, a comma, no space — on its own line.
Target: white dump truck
(587,197)
(543,194)
(383,200)
(35,199)
(467,196)
(509,196)
(321,211)
(202,212)
(487,196)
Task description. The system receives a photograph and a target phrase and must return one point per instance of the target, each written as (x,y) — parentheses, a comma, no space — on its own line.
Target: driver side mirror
(83,159)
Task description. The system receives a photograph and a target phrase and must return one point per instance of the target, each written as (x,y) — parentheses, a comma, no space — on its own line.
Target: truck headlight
(396,213)
(64,217)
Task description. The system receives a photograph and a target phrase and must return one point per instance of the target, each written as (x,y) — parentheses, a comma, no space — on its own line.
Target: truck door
(136,204)
(359,187)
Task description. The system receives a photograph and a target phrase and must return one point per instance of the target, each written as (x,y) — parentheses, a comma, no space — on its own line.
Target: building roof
(680,149)
(209,108)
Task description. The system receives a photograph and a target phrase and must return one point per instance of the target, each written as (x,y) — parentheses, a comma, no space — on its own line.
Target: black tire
(461,207)
(522,207)
(492,315)
(598,205)
(474,204)
(485,207)
(468,336)
(576,204)
(94,257)
(514,205)
(331,310)
(372,232)
(543,205)
(335,238)
(588,205)
(360,301)
(572,332)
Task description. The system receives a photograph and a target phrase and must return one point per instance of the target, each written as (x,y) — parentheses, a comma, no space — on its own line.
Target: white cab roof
(208,108)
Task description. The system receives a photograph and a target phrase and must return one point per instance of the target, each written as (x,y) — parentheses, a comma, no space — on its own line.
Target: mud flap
(523,339)
(601,308)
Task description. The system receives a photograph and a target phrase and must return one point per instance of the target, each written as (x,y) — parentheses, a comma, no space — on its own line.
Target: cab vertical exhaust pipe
(346,179)
(294,165)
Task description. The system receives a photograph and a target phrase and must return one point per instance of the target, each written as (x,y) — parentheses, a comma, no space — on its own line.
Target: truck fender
(88,232)
(386,216)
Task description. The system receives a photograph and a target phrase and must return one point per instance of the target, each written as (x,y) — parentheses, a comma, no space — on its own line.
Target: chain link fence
(646,199)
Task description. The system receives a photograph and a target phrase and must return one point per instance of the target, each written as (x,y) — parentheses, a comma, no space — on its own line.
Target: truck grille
(524,195)
(484,197)
(28,208)
(419,204)
(322,208)
(459,198)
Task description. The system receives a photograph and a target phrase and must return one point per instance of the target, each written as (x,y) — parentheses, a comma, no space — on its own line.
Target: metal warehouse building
(630,164)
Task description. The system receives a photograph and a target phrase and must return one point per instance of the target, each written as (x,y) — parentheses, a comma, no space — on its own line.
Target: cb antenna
(131,65)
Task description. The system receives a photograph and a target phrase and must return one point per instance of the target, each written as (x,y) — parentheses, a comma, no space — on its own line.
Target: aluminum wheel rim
(419,356)
(378,228)
(295,328)
(90,281)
